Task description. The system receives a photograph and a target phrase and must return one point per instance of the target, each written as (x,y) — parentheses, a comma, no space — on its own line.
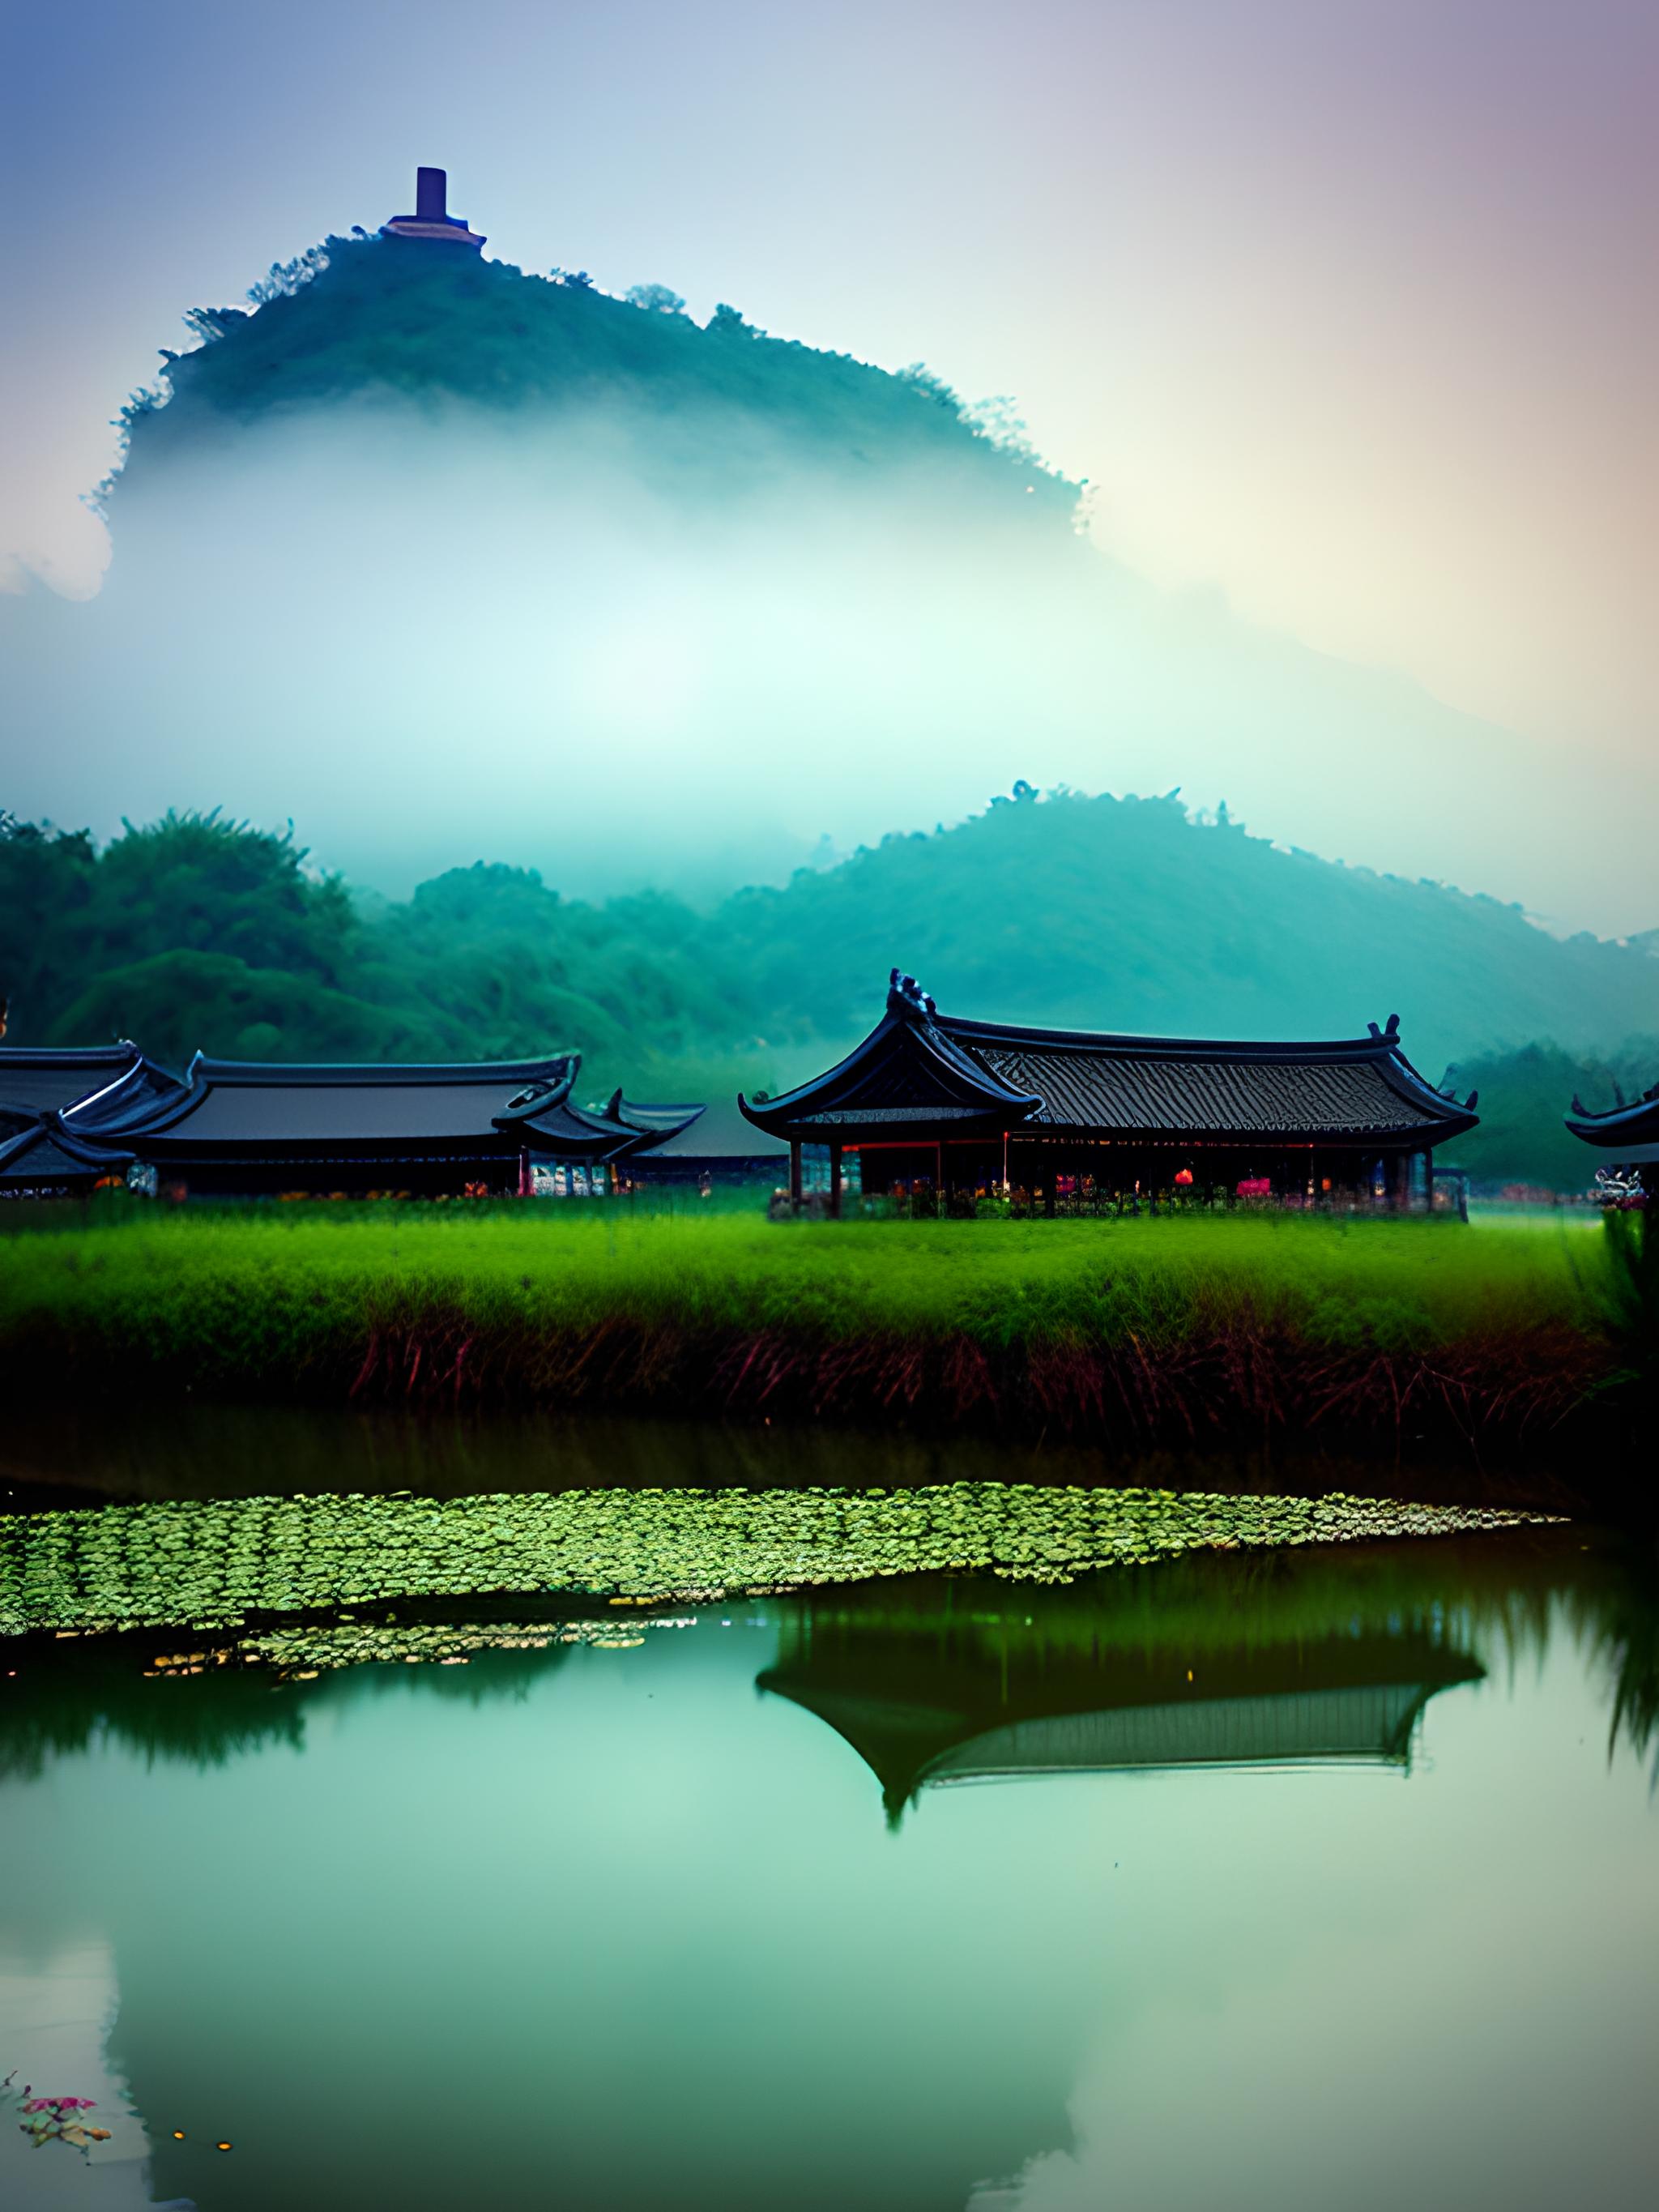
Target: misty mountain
(369,323)
(429,552)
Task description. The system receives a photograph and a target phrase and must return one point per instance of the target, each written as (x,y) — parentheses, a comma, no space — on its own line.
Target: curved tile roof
(920,1067)
(96,1082)
(1163,1090)
(1632,1131)
(48,1153)
(237,1106)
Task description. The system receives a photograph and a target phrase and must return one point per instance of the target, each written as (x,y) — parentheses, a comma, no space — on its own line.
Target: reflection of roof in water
(1370,1723)
(925,1712)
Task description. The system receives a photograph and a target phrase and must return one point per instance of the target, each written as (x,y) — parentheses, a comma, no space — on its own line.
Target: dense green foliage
(365,318)
(197,932)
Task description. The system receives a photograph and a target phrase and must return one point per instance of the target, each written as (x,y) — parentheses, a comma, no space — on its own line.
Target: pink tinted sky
(1346,309)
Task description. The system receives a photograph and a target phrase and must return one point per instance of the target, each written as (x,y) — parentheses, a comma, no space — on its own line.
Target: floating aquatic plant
(217,1565)
(55,2119)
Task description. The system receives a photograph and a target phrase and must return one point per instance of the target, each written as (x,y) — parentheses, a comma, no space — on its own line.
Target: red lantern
(1183,1178)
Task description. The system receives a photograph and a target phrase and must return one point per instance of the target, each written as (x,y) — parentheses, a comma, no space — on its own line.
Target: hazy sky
(1346,309)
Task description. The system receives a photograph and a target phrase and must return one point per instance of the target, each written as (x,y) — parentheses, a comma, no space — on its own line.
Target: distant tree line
(196,931)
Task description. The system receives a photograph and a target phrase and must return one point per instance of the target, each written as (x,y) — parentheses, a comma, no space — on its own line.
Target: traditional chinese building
(247,1128)
(57,1108)
(97,1083)
(960,1107)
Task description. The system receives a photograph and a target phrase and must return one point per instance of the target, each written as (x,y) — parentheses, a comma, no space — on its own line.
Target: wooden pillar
(1048,1187)
(795,1171)
(835,1182)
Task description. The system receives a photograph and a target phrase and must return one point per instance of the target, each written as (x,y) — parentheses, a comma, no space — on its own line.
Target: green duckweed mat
(217,1565)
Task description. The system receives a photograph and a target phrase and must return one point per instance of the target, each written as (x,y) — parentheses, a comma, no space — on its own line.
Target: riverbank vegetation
(1408,1336)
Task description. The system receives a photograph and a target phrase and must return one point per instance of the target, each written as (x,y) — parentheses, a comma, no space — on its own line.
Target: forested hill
(1095,913)
(1132,914)
(368,320)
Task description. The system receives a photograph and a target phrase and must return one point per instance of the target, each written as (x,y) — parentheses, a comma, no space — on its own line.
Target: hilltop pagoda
(431,220)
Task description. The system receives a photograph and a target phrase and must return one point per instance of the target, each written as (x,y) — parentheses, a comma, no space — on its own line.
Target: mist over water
(630,643)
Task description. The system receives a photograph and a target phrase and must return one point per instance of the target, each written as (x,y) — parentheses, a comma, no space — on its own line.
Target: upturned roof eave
(763,1113)
(577,1134)
(1408,1083)
(664,1121)
(49,1129)
(112,1067)
(1623,1125)
(782,1116)
(131,1093)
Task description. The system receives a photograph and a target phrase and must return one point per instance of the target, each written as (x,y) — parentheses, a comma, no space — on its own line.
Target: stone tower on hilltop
(430,220)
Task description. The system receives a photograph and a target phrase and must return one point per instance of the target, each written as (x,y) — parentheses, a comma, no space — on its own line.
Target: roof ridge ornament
(1388,1034)
(905,996)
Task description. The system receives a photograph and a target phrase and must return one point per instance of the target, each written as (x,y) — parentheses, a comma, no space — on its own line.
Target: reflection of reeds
(1166,1332)
(1617,1620)
(76,1692)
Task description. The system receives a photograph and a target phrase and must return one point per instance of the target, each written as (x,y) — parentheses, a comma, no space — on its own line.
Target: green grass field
(1187,1331)
(236,1289)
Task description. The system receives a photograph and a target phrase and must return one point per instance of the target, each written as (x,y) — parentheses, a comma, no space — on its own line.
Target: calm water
(1318,1879)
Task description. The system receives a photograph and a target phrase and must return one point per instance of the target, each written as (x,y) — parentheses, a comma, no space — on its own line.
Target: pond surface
(1301,1879)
